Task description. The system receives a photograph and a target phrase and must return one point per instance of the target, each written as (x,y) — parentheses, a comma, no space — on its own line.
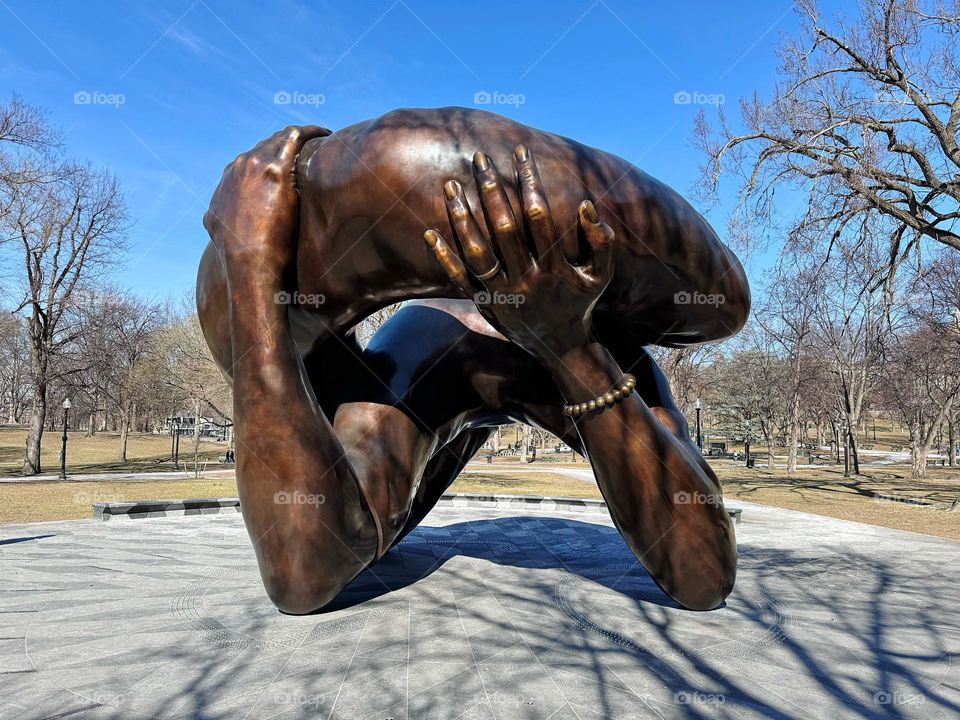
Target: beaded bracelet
(603,401)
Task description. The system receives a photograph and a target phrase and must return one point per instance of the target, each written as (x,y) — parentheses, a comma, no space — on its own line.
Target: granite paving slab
(492,613)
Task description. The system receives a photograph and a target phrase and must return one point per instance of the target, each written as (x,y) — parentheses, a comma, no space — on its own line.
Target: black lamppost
(746,443)
(696,406)
(63,447)
(845,428)
(176,444)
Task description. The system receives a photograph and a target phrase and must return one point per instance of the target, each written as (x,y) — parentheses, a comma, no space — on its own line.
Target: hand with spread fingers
(538,299)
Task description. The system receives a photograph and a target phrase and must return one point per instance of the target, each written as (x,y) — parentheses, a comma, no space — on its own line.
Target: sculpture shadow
(591,551)
(880,654)
(820,631)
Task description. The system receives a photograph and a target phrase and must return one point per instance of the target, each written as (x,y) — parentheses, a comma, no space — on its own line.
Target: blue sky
(167,93)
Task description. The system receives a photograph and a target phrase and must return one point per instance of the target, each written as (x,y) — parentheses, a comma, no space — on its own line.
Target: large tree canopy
(861,125)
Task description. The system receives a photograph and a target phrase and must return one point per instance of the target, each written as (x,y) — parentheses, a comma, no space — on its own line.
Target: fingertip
(480,161)
(431,237)
(588,213)
(521,153)
(451,188)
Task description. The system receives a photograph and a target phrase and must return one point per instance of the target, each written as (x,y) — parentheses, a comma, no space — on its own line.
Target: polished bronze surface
(570,261)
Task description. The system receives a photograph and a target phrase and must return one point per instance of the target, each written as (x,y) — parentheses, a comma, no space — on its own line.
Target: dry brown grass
(145,453)
(527,483)
(37,501)
(822,490)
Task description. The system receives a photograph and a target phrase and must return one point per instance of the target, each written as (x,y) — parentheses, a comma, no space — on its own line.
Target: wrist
(250,245)
(585,372)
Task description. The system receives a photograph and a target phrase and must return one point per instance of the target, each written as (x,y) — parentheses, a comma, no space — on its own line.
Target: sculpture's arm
(666,506)
(311,528)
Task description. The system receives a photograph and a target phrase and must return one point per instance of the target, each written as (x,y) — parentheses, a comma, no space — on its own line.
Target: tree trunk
(525,441)
(918,461)
(918,452)
(794,435)
(952,439)
(31,462)
(196,437)
(855,456)
(124,434)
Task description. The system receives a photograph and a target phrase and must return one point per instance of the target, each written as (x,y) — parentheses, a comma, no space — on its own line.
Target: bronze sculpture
(573,261)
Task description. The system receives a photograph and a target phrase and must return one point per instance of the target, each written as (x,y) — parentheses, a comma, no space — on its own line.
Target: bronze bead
(630,381)
(592,405)
(625,390)
(608,399)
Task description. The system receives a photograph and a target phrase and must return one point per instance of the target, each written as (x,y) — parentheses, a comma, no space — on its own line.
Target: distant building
(187,425)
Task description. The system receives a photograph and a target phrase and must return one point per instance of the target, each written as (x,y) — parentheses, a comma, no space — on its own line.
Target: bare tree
(118,334)
(751,385)
(922,382)
(786,317)
(685,371)
(66,230)
(862,122)
(14,368)
(192,374)
(851,322)
(28,145)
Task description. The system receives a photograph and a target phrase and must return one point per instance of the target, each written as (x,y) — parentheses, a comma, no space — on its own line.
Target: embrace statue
(571,261)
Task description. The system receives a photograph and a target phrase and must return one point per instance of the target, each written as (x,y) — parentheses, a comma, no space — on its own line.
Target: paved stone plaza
(479,614)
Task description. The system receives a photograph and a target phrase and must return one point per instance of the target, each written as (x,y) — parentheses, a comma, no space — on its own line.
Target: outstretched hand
(537,298)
